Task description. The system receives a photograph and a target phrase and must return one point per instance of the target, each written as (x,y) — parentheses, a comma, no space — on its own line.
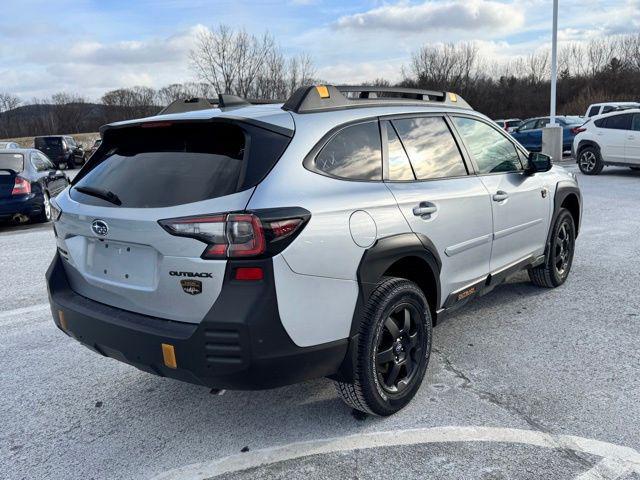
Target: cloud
(361,72)
(447,15)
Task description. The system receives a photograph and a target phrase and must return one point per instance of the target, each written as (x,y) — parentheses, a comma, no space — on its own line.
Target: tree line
(234,61)
(603,69)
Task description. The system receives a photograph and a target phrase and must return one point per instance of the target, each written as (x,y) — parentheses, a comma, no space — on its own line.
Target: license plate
(124,263)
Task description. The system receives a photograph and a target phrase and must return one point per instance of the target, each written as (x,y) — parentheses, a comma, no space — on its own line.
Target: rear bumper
(30,205)
(240,344)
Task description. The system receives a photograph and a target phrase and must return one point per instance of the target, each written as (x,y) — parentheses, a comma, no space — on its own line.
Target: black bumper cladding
(240,344)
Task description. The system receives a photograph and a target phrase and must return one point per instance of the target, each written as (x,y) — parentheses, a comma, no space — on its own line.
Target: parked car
(63,151)
(509,124)
(529,134)
(606,107)
(319,238)
(28,182)
(5,145)
(94,147)
(611,139)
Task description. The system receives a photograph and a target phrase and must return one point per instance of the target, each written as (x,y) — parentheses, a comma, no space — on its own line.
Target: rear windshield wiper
(100,193)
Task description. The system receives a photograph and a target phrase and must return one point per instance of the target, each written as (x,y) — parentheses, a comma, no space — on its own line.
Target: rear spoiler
(198,103)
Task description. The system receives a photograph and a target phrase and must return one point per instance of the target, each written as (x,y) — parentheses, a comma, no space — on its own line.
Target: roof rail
(200,103)
(318,98)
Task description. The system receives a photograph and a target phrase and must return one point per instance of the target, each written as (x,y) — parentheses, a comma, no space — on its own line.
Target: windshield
(12,161)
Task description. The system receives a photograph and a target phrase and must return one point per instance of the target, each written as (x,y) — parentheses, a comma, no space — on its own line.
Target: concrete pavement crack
(495,399)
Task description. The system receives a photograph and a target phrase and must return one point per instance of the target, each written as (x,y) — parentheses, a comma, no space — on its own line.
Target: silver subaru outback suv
(242,246)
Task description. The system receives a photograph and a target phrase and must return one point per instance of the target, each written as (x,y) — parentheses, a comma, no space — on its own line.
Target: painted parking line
(608,469)
(11,317)
(619,459)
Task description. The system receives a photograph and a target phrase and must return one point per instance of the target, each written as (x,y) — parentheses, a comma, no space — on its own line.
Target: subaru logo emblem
(100,228)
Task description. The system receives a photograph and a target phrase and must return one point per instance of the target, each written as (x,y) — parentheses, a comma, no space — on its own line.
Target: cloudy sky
(90,46)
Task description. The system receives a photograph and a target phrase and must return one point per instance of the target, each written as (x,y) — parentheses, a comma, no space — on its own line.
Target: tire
(559,258)
(390,363)
(45,216)
(590,161)
(80,163)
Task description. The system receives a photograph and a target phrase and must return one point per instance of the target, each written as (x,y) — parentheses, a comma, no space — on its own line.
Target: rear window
(181,163)
(51,142)
(12,161)
(572,120)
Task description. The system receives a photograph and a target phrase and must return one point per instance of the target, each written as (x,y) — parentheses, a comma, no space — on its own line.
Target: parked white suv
(249,247)
(612,139)
(596,109)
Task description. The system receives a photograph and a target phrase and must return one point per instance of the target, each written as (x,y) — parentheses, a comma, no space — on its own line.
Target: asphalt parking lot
(523,383)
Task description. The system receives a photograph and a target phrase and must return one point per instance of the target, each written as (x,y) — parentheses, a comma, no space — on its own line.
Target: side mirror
(539,162)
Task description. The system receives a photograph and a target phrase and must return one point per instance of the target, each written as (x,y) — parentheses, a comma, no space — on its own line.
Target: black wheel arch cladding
(567,196)
(411,253)
(417,260)
(391,251)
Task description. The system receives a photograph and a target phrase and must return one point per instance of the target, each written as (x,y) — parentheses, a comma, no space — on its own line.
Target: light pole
(552,133)
(554,63)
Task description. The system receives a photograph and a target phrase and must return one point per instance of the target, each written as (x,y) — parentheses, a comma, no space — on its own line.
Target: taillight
(577,130)
(239,235)
(21,187)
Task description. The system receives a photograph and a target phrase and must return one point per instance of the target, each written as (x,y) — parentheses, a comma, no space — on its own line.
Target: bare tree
(452,65)
(239,63)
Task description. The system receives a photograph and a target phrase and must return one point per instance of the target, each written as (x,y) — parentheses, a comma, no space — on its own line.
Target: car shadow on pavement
(9,227)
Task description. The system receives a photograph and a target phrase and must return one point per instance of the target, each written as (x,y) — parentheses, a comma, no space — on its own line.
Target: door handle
(500,196)
(631,137)
(425,209)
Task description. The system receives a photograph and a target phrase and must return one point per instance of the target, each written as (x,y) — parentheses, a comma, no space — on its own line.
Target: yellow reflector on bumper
(62,320)
(169,355)
(322,91)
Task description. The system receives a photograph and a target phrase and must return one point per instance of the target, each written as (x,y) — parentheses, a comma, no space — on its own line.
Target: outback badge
(192,287)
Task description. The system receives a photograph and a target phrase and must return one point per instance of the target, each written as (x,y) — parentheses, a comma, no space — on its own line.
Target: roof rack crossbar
(328,97)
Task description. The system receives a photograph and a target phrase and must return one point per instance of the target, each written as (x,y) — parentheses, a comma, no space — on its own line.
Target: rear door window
(529,125)
(399,166)
(12,161)
(616,122)
(38,162)
(180,163)
(354,153)
(432,150)
(636,122)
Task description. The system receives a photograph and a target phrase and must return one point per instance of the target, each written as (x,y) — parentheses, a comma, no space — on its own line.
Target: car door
(521,204)
(612,136)
(523,133)
(46,174)
(439,196)
(632,146)
(535,135)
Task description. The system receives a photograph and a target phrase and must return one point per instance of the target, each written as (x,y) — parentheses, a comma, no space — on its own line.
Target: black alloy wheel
(399,349)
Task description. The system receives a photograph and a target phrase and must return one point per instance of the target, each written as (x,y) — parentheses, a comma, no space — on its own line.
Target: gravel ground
(561,362)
